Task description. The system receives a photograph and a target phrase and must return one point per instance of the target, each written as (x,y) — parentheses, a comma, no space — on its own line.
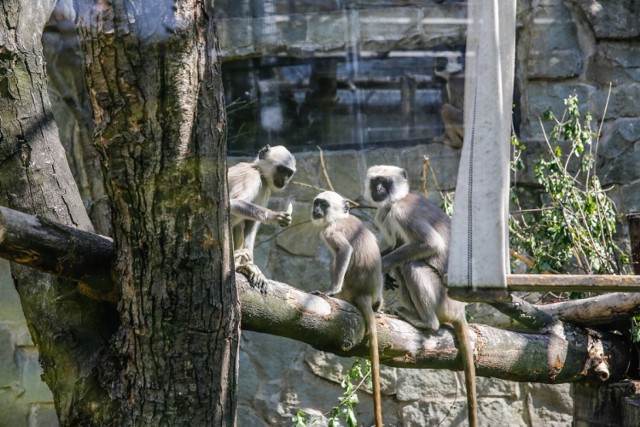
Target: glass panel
(339,74)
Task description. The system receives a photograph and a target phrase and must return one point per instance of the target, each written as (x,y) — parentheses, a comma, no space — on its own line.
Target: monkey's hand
(256,278)
(324,294)
(389,282)
(283,219)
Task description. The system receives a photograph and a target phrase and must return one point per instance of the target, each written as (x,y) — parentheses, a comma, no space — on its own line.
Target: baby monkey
(356,273)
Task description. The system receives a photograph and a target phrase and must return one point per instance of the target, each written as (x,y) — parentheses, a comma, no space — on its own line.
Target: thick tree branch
(56,249)
(525,313)
(563,353)
(598,310)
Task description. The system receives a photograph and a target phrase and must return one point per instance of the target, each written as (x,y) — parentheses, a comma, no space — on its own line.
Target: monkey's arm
(342,251)
(413,251)
(247,210)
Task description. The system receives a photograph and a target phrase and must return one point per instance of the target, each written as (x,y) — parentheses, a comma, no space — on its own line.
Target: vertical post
(633,220)
(605,404)
(479,251)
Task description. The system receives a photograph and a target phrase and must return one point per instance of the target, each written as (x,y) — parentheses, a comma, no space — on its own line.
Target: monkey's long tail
(375,373)
(462,332)
(370,322)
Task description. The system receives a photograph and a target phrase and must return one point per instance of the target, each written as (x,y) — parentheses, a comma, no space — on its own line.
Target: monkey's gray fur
(356,273)
(250,187)
(417,232)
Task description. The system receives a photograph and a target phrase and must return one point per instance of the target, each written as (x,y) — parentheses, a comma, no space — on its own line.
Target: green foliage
(447,203)
(572,228)
(359,374)
(299,419)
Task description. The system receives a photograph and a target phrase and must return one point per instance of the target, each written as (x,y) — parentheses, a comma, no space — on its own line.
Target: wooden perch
(563,353)
(569,283)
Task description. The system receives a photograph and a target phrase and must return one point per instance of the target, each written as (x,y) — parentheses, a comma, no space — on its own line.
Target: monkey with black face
(356,274)
(417,232)
(250,187)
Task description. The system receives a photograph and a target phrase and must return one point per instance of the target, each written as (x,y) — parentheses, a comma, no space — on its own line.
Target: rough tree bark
(160,128)
(157,100)
(70,101)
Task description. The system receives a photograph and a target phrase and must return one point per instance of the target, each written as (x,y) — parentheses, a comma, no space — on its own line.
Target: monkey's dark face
(329,207)
(281,176)
(380,188)
(320,208)
(385,185)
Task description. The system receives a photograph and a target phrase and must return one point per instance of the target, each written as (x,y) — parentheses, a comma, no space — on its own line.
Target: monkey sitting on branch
(356,274)
(417,232)
(250,187)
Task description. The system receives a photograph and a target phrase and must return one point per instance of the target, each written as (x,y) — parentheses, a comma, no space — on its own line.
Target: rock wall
(563,47)
(589,48)
(24,399)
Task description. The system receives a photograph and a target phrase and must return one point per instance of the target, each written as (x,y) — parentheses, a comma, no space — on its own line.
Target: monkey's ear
(404,174)
(349,204)
(263,152)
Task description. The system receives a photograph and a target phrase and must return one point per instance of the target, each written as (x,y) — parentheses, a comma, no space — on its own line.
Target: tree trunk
(73,112)
(35,178)
(157,100)
(606,405)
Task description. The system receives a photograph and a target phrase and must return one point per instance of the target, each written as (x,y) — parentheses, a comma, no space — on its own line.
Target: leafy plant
(359,374)
(572,228)
(299,419)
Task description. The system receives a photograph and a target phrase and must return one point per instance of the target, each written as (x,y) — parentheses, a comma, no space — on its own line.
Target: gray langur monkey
(250,187)
(356,274)
(417,232)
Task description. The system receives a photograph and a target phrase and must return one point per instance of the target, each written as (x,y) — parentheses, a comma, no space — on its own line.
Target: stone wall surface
(24,399)
(563,47)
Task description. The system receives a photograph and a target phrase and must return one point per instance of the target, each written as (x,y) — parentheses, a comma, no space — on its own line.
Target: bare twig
(324,170)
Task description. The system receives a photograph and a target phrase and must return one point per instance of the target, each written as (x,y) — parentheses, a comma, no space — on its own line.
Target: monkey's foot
(413,319)
(256,278)
(242,256)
